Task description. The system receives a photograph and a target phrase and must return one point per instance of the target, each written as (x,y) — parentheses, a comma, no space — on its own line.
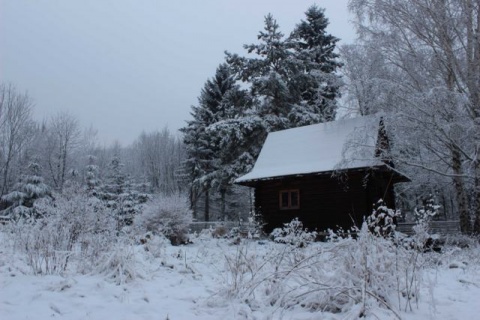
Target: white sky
(124,66)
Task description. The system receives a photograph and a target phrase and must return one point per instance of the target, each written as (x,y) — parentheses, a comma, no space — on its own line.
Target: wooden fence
(201,225)
(434,227)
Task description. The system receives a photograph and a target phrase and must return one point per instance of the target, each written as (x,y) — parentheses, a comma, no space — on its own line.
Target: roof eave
(254,182)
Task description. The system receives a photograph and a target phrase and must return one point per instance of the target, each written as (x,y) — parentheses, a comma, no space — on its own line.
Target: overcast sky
(123,66)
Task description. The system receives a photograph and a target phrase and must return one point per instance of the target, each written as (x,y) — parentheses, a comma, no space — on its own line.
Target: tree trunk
(476,224)
(193,202)
(207,205)
(222,204)
(465,226)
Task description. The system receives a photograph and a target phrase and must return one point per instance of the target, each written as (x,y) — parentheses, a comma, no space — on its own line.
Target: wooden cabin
(327,175)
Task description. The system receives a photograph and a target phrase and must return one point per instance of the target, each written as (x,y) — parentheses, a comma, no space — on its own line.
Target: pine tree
(315,48)
(30,188)
(217,102)
(115,180)
(91,176)
(293,80)
(269,76)
(117,194)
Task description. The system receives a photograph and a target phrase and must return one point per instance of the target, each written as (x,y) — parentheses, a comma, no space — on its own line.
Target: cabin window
(289,199)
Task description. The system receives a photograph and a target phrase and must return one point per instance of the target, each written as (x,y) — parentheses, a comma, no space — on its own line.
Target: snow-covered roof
(324,147)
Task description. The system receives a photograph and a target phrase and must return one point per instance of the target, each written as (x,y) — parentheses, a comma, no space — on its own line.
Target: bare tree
(160,156)
(16,128)
(62,138)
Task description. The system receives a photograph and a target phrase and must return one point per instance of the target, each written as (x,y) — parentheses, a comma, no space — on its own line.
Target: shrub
(119,263)
(167,215)
(382,220)
(294,234)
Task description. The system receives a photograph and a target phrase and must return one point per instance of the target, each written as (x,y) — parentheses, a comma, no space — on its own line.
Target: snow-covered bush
(119,263)
(167,215)
(428,211)
(256,222)
(382,220)
(293,233)
(422,239)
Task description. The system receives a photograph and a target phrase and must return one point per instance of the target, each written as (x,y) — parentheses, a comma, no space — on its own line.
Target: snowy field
(256,279)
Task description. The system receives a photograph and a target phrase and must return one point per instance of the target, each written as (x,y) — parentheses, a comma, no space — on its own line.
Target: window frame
(289,206)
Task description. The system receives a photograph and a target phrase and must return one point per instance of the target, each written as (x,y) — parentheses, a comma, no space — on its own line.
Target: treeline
(38,159)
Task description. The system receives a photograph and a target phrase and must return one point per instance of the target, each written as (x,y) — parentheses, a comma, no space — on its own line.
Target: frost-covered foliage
(257,223)
(76,233)
(382,220)
(166,215)
(293,233)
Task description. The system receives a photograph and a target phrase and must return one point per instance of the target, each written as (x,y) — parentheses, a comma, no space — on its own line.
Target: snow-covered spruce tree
(269,76)
(92,180)
(115,180)
(292,79)
(315,49)
(30,188)
(428,211)
(209,151)
(119,195)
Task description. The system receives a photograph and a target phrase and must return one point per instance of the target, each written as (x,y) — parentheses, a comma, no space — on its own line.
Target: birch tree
(434,48)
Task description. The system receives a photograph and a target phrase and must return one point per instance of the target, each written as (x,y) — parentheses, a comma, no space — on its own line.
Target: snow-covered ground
(199,281)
